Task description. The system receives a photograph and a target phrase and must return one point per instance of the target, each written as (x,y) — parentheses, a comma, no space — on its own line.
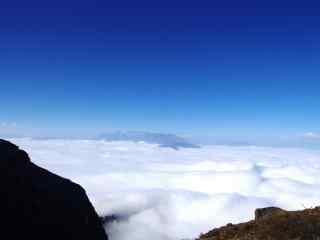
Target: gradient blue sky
(235,70)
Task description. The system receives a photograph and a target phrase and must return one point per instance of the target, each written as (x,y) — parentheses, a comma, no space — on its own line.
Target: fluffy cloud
(168,194)
(311,135)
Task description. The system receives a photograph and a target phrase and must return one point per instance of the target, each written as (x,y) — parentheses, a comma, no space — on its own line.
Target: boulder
(267,212)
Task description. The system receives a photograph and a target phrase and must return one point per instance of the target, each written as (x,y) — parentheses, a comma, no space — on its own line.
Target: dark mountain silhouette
(37,204)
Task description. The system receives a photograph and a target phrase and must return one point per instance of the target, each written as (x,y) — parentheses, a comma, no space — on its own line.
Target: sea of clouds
(164,194)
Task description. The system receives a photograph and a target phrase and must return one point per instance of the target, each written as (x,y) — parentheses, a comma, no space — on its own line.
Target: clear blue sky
(231,69)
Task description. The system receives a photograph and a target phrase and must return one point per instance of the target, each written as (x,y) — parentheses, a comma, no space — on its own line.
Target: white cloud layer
(170,194)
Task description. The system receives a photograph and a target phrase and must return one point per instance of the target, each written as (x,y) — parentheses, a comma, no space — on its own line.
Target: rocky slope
(272,224)
(37,204)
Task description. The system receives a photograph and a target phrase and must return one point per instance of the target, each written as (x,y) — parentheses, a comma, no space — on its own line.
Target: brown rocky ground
(272,224)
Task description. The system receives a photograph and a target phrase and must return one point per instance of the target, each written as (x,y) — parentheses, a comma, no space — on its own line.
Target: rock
(37,204)
(114,218)
(272,224)
(267,212)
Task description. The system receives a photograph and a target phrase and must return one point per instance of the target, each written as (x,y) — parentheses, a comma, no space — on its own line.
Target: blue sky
(234,70)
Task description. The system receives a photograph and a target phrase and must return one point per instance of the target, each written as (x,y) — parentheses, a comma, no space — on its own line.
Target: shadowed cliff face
(37,204)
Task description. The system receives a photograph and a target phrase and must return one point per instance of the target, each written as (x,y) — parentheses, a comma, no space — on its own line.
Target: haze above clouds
(311,136)
(169,194)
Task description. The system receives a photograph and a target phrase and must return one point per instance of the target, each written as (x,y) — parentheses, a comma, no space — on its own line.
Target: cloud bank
(311,136)
(168,194)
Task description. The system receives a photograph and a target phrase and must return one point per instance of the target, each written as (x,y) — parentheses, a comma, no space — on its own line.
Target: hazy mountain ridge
(164,140)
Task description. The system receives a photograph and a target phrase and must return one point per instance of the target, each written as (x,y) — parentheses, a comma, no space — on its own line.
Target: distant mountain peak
(164,140)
